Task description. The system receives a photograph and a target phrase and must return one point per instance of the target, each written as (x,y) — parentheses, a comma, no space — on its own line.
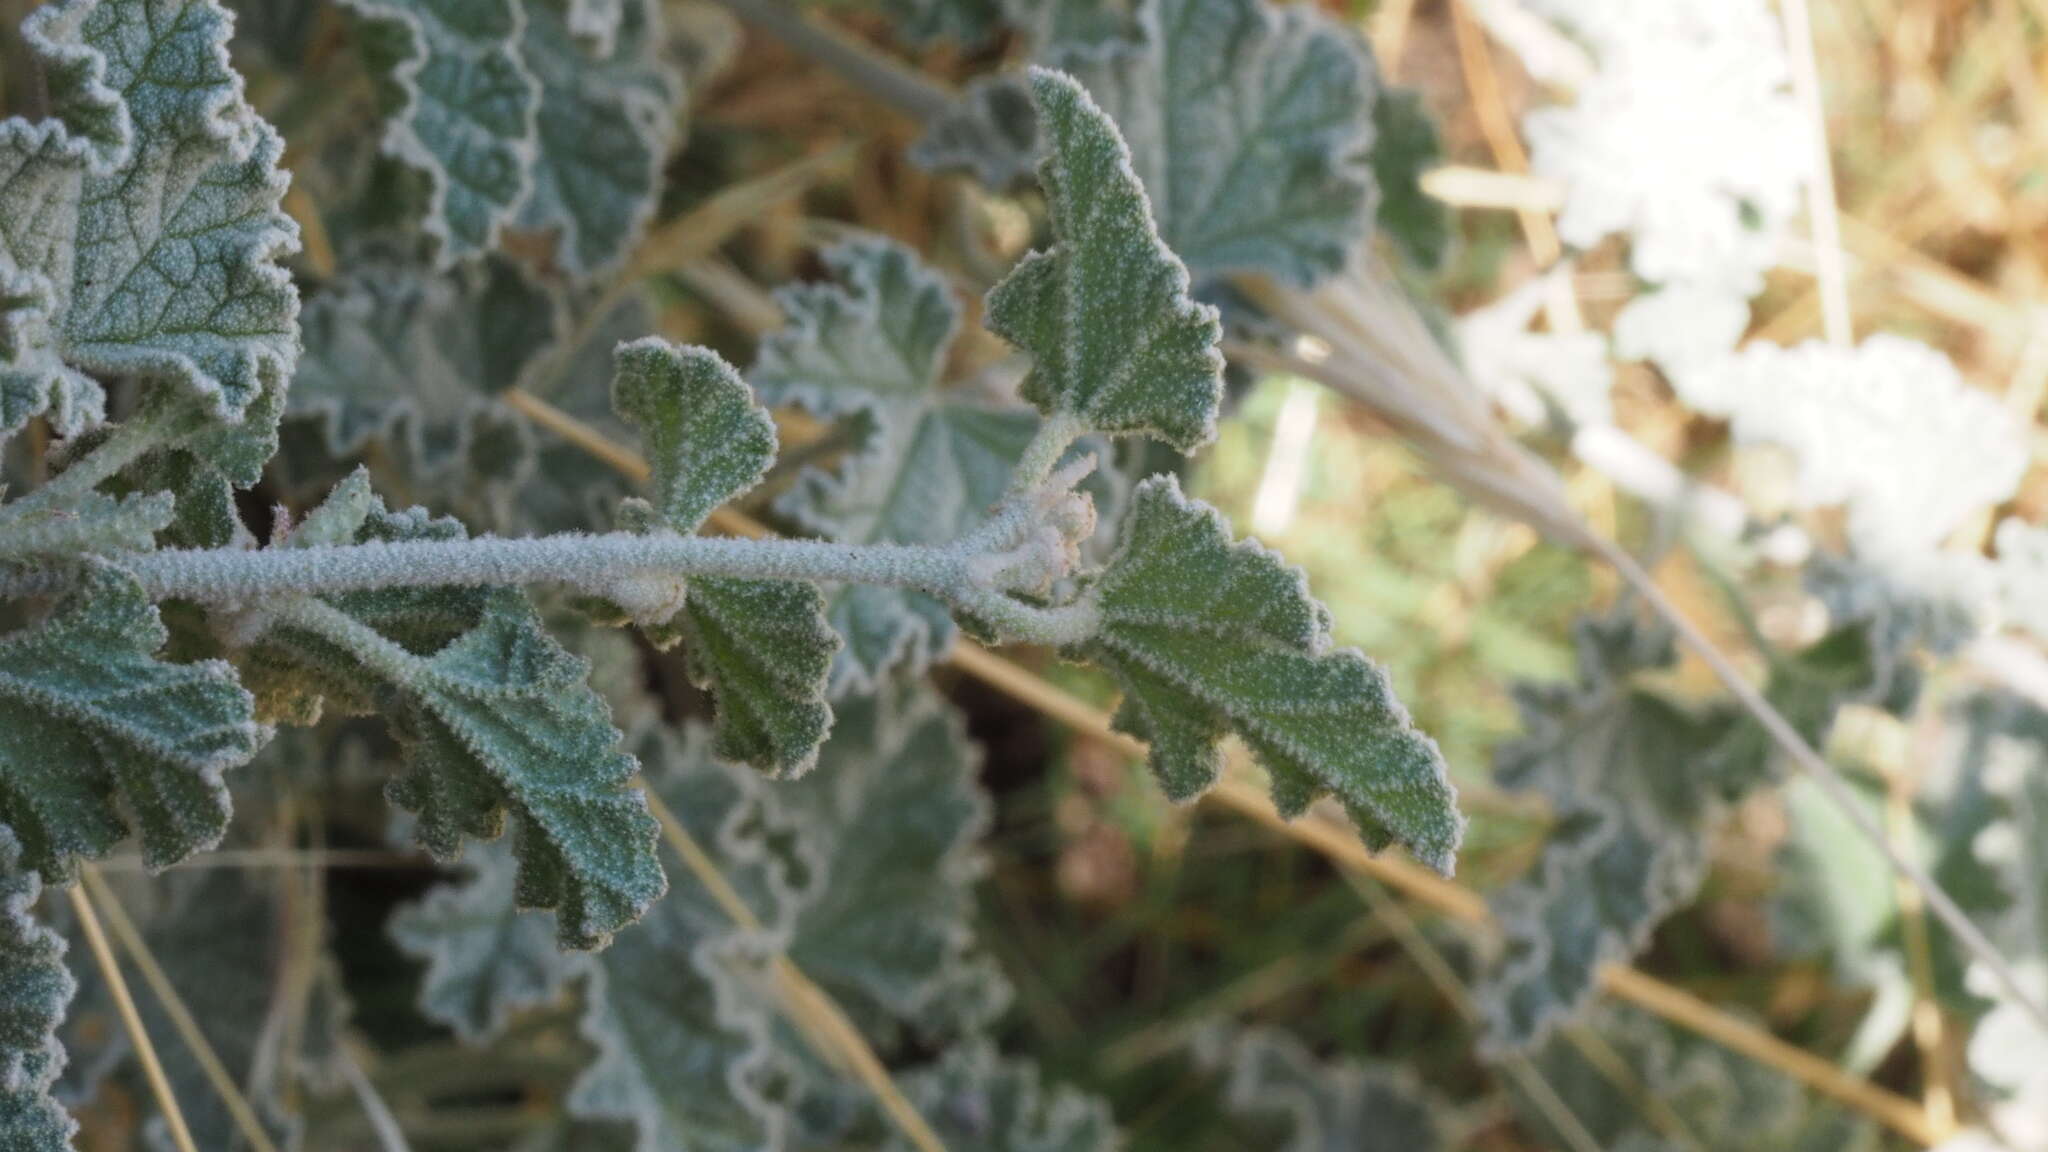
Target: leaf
(35,991)
(148,245)
(97,522)
(894,817)
(485,957)
(1632,808)
(678,1005)
(1208,637)
(459,106)
(204,468)
(98,737)
(1324,1106)
(493,718)
(604,128)
(870,348)
(1694,1082)
(1251,127)
(976,1099)
(1404,146)
(1116,341)
(762,647)
(413,360)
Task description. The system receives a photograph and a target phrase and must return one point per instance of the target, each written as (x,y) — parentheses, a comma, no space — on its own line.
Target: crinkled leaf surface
(976,1099)
(99,738)
(459,106)
(1325,1106)
(871,347)
(678,1006)
(1629,777)
(494,718)
(607,117)
(486,958)
(144,228)
(1116,341)
(35,991)
(1209,637)
(96,522)
(204,468)
(1251,127)
(762,647)
(893,815)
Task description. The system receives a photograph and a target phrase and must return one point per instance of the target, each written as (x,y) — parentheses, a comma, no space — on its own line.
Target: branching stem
(129,441)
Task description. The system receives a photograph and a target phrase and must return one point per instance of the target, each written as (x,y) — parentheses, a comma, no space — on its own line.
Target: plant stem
(593,564)
(1056,433)
(130,440)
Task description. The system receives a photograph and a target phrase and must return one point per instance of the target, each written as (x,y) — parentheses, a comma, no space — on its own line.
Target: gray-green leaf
(1624,772)
(607,118)
(1116,341)
(459,107)
(35,991)
(485,956)
(95,732)
(147,245)
(1340,1105)
(707,441)
(1208,637)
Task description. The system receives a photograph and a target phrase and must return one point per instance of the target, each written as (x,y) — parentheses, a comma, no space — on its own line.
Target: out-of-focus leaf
(35,992)
(485,957)
(1324,1106)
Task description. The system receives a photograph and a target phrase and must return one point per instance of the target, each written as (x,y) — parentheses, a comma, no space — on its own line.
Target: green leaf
(96,522)
(35,991)
(1708,1098)
(501,721)
(894,818)
(1405,145)
(1208,637)
(150,251)
(762,647)
(493,717)
(1251,126)
(1323,1105)
(707,441)
(204,468)
(870,348)
(1116,341)
(976,1099)
(604,128)
(414,361)
(459,106)
(679,1006)
(1629,839)
(485,957)
(98,737)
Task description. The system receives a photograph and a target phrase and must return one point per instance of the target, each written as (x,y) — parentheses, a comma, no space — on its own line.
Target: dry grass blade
(182,1020)
(131,1020)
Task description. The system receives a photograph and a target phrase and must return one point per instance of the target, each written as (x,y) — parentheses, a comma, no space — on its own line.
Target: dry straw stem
(124,1004)
(182,1020)
(1328,836)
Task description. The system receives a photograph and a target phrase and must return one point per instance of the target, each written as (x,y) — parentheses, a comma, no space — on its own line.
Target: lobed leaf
(1631,782)
(99,738)
(485,956)
(606,120)
(459,105)
(1116,341)
(35,992)
(1325,1105)
(975,1098)
(144,231)
(1208,637)
(763,648)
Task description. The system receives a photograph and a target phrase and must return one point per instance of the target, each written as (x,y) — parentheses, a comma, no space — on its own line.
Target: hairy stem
(592,564)
(130,440)
(1056,433)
